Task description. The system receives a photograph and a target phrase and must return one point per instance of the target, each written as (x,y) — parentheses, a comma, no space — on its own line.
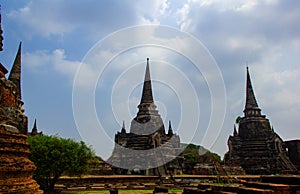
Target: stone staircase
(264,151)
(219,169)
(139,142)
(257,146)
(288,163)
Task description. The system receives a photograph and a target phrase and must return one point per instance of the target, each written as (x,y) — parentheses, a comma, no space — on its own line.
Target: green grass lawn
(107,192)
(120,192)
(84,192)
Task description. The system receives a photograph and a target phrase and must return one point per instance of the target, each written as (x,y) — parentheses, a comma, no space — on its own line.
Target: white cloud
(151,12)
(45,18)
(55,59)
(236,43)
(41,18)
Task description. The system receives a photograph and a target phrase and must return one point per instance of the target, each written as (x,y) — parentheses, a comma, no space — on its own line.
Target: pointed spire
(147,106)
(234,131)
(34,130)
(1,31)
(251,106)
(170,131)
(3,70)
(123,130)
(15,73)
(147,96)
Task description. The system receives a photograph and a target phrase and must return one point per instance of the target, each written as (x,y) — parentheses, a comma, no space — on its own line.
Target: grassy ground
(120,192)
(107,192)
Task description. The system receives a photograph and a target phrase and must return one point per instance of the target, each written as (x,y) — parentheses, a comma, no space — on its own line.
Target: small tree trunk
(53,181)
(47,185)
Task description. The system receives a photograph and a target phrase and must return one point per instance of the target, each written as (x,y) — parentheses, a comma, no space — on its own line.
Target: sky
(86,59)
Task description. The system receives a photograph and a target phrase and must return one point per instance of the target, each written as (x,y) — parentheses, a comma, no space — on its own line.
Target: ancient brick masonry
(15,168)
(255,145)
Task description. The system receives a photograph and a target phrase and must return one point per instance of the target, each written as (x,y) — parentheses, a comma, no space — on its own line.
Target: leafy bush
(54,156)
(198,154)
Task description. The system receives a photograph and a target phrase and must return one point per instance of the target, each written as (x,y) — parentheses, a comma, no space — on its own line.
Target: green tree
(198,154)
(54,156)
(238,120)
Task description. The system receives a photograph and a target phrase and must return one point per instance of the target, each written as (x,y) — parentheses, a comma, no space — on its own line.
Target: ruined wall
(15,168)
(294,152)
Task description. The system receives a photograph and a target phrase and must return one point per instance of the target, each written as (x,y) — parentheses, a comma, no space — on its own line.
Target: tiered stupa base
(15,167)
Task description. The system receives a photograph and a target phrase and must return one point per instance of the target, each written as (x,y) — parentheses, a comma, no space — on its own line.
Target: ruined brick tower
(147,139)
(255,145)
(15,168)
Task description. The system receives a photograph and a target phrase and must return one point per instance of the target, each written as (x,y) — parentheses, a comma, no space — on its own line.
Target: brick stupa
(15,168)
(147,149)
(256,146)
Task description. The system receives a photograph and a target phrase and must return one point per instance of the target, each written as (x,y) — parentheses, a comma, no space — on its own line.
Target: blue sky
(58,35)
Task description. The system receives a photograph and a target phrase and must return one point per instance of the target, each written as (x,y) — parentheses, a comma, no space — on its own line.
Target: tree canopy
(54,156)
(198,154)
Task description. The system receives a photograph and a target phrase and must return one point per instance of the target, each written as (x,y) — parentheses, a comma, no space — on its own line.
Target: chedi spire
(147,106)
(15,73)
(1,32)
(34,130)
(147,96)
(251,106)
(170,131)
(123,130)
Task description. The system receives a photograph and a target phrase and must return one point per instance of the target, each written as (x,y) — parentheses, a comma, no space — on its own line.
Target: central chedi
(147,149)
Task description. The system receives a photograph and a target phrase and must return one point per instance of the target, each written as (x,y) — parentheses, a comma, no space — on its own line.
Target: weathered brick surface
(15,167)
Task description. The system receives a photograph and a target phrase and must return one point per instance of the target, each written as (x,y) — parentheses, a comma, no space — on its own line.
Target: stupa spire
(147,106)
(123,130)
(170,131)
(147,96)
(3,70)
(1,31)
(251,106)
(34,130)
(15,73)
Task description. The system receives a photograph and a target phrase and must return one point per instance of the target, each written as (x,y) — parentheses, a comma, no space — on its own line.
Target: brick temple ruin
(147,139)
(15,168)
(256,146)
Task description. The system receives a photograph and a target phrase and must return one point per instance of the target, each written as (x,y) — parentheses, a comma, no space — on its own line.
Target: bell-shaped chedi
(255,146)
(15,168)
(146,149)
